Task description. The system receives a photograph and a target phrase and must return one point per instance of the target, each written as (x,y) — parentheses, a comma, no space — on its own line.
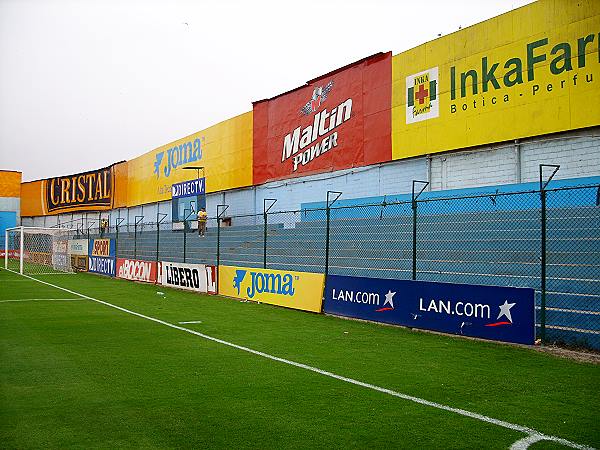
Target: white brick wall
(577,153)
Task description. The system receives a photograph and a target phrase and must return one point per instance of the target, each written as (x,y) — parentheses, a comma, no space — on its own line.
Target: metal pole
(22,245)
(328,216)
(543,249)
(265,217)
(414,224)
(6,249)
(219,214)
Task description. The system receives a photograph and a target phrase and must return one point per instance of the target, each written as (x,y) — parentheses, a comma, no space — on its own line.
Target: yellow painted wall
(32,199)
(542,103)
(226,155)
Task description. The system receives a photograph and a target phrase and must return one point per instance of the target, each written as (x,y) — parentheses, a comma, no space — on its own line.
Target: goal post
(37,250)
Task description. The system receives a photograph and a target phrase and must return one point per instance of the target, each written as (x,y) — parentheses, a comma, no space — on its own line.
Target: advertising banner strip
(224,150)
(337,121)
(102,247)
(192,277)
(136,270)
(298,290)
(191,188)
(490,312)
(101,265)
(78,247)
(536,72)
(89,190)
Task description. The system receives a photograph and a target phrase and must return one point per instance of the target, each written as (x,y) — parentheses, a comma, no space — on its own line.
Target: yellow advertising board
(10,183)
(532,71)
(297,290)
(32,199)
(223,150)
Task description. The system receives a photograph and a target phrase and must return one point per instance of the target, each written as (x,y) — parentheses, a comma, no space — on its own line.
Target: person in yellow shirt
(202,217)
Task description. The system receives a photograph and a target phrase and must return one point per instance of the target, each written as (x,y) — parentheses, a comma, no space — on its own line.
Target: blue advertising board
(192,188)
(490,312)
(101,265)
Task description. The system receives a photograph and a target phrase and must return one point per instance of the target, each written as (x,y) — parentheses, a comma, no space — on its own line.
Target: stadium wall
(394,123)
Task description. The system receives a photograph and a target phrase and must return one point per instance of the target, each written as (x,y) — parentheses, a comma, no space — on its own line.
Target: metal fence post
(543,249)
(135,225)
(328,218)
(265,211)
(118,222)
(414,224)
(158,222)
(219,214)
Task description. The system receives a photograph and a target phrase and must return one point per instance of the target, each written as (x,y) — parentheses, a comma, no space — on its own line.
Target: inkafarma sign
(337,121)
(536,72)
(83,191)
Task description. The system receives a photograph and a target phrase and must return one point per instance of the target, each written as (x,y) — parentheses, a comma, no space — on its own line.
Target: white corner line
(530,432)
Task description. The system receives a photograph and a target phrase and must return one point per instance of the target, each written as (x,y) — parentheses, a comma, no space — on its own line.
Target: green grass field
(76,373)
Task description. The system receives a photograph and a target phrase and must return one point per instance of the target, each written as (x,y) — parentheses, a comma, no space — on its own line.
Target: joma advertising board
(85,191)
(490,312)
(224,150)
(101,257)
(136,270)
(531,71)
(338,121)
(298,290)
(192,277)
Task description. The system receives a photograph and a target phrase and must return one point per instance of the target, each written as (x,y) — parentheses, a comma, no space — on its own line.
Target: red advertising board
(337,121)
(136,270)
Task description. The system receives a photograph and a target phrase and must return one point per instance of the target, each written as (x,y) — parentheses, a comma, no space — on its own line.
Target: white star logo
(505,310)
(389,299)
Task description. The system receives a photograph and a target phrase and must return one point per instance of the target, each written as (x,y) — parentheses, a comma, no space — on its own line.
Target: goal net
(36,250)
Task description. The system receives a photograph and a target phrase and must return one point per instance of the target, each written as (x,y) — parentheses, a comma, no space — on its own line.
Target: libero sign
(336,121)
(89,190)
(192,277)
(536,72)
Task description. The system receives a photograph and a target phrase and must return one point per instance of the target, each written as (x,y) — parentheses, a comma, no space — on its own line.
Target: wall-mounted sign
(89,190)
(192,188)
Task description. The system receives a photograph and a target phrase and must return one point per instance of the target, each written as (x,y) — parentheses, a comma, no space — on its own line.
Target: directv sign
(192,188)
(489,312)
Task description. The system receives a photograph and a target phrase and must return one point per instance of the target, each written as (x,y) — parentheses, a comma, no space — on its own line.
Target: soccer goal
(36,250)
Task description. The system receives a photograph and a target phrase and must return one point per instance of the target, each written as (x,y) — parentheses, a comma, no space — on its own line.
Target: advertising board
(298,290)
(101,265)
(136,270)
(189,188)
(101,247)
(536,71)
(83,191)
(192,277)
(489,312)
(78,247)
(224,150)
(337,121)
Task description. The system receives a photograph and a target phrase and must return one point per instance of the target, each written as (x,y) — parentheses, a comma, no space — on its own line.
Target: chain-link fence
(547,239)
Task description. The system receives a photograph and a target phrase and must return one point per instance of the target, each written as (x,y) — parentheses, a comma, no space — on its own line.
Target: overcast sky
(84,83)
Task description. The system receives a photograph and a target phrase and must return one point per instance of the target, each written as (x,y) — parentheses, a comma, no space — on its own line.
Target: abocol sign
(490,312)
(191,188)
(101,265)
(136,270)
(298,290)
(193,277)
(89,190)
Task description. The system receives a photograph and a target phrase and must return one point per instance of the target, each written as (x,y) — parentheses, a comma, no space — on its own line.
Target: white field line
(462,412)
(40,300)
(191,321)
